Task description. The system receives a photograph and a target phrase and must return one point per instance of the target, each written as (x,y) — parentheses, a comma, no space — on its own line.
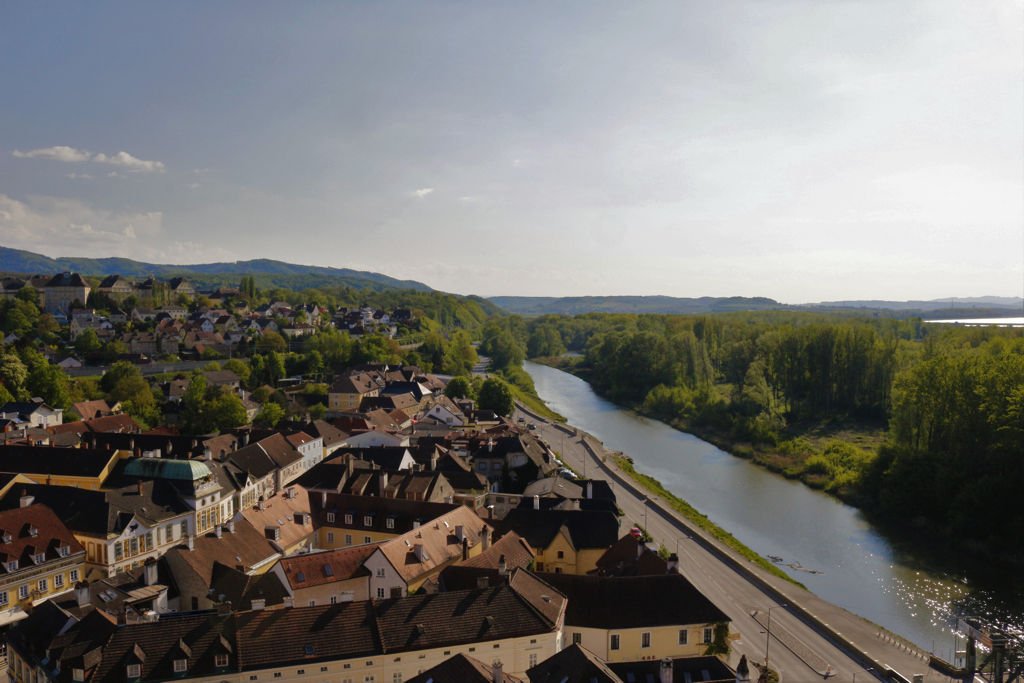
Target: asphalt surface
(800,649)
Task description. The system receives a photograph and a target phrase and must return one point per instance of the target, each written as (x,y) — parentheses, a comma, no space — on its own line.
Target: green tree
(51,384)
(496,395)
(271,341)
(14,375)
(270,414)
(224,411)
(459,387)
(459,356)
(88,342)
(240,368)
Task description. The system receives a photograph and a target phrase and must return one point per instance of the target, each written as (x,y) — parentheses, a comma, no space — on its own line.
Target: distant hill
(978,307)
(575,305)
(268,272)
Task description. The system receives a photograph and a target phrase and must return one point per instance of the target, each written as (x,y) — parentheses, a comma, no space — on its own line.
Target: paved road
(795,649)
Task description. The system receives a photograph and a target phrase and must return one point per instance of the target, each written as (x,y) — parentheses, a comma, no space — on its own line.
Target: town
(245,493)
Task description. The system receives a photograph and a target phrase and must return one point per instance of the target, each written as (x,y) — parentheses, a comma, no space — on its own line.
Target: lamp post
(768,633)
(645,514)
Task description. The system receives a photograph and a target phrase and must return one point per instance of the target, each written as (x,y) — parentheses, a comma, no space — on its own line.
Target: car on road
(531,426)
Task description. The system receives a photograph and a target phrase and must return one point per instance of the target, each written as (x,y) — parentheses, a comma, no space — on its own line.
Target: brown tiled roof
(279,450)
(328,566)
(405,513)
(34,530)
(438,540)
(358,383)
(91,409)
(245,546)
(513,547)
(286,510)
(630,556)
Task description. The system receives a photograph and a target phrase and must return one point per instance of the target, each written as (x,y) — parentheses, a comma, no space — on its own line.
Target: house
(566,541)
(631,556)
(234,545)
(63,290)
(192,482)
(492,565)
(576,664)
(522,456)
(633,618)
(116,287)
(119,529)
(34,412)
(327,577)
(413,560)
(444,411)
(519,623)
(179,286)
(39,558)
(343,520)
(285,520)
(98,408)
(347,392)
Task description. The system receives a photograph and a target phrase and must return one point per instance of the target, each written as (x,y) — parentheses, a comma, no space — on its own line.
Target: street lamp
(768,633)
(645,514)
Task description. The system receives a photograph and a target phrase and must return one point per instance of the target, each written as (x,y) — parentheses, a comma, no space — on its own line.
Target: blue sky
(800,150)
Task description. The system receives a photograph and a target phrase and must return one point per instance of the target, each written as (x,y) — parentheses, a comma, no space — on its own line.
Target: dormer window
(220,661)
(330,517)
(39,558)
(63,550)
(6,537)
(348,518)
(180,666)
(367,520)
(391,522)
(133,671)
(12,566)
(32,531)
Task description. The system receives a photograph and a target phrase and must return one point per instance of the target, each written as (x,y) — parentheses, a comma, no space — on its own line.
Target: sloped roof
(328,566)
(574,664)
(439,541)
(586,528)
(609,602)
(462,668)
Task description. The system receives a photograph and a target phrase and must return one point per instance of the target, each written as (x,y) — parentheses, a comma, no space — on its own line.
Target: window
(323,669)
(180,666)
(74,576)
(39,558)
(312,603)
(397,677)
(391,525)
(380,572)
(645,639)
(577,638)
(380,593)
(561,555)
(220,660)
(330,517)
(254,677)
(118,552)
(367,520)
(58,580)
(330,537)
(348,518)
(348,539)
(135,545)
(533,659)
(367,539)
(334,599)
(23,592)
(301,672)
(3,597)
(184,528)
(540,566)
(12,566)
(43,587)
(684,636)
(277,674)
(78,675)
(614,645)
(134,670)
(707,636)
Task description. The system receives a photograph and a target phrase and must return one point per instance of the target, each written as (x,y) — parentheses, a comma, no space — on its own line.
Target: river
(825,544)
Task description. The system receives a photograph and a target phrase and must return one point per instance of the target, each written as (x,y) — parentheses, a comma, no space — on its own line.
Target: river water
(826,545)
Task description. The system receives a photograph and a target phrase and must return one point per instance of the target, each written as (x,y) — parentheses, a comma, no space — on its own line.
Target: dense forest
(920,425)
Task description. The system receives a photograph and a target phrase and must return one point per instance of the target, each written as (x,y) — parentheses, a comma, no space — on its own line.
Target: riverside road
(810,638)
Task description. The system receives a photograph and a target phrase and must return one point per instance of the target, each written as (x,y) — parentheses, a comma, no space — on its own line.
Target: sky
(801,150)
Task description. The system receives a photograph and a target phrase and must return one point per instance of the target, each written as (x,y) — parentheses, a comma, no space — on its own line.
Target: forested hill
(267,271)
(575,305)
(954,307)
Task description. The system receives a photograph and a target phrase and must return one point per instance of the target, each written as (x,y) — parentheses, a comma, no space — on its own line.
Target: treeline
(947,403)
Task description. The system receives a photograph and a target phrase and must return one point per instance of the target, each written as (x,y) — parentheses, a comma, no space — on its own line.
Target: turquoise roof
(166,468)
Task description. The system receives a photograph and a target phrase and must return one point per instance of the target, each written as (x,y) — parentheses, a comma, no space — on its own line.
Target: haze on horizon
(795,149)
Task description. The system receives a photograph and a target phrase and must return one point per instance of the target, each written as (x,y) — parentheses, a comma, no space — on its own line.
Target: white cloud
(72,155)
(58,153)
(128,161)
(422,192)
(76,228)
(79,176)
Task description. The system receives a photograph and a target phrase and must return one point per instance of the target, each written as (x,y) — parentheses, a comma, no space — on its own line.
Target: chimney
(82,593)
(149,572)
(496,674)
(26,499)
(230,525)
(460,532)
(224,608)
(485,536)
(191,542)
(258,604)
(590,490)
(219,531)
(465,549)
(502,566)
(383,482)
(138,487)
(666,671)
(289,601)
(672,566)
(536,502)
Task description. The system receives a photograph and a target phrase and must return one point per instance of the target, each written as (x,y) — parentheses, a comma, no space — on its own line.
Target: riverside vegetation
(921,426)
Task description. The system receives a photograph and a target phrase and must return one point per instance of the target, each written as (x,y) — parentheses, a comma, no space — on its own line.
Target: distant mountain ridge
(27,262)
(984,306)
